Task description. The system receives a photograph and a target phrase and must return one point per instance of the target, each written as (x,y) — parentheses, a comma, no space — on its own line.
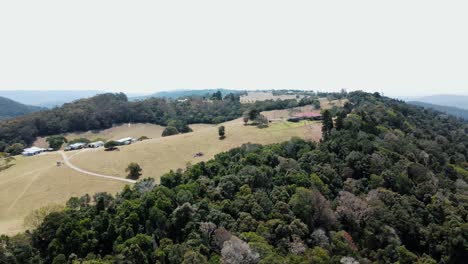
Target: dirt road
(67,162)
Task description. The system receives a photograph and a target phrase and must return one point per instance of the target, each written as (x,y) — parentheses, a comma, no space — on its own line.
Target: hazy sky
(396,47)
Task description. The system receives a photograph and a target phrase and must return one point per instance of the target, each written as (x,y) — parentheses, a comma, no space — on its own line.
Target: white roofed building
(32,151)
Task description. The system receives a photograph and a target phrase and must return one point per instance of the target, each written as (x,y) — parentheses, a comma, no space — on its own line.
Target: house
(32,151)
(126,141)
(305,116)
(96,144)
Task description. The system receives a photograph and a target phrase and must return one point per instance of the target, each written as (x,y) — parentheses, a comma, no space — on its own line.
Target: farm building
(76,146)
(126,141)
(305,116)
(96,144)
(32,151)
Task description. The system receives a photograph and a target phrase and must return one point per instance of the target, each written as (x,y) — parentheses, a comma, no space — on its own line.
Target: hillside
(455,111)
(386,185)
(459,101)
(10,108)
(185,93)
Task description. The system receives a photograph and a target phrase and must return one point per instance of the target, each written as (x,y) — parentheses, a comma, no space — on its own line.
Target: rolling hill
(455,111)
(459,101)
(387,184)
(10,108)
(182,93)
(47,99)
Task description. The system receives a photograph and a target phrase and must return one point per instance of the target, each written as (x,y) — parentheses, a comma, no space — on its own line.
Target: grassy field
(36,181)
(157,156)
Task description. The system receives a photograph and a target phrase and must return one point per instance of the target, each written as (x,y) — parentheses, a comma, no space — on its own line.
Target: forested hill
(388,185)
(455,111)
(104,110)
(10,108)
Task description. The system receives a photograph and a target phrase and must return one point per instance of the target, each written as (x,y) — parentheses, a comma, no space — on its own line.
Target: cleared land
(36,181)
(158,156)
(251,97)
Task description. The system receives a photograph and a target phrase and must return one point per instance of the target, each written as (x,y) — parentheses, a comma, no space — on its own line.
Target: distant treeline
(103,111)
(455,111)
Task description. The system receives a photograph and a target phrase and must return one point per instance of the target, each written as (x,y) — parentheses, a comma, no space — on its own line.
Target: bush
(221,132)
(79,140)
(169,131)
(111,145)
(134,170)
(143,138)
(56,142)
(15,149)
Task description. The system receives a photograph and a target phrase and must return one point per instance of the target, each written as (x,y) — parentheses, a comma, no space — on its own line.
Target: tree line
(105,110)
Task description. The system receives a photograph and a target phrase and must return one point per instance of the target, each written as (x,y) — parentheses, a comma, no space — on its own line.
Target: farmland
(37,181)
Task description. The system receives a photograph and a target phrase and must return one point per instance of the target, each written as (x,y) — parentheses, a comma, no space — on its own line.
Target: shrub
(134,170)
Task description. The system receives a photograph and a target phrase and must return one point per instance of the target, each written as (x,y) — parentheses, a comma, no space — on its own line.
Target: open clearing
(251,97)
(158,156)
(36,181)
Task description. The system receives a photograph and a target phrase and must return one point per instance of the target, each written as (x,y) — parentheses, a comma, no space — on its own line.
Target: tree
(236,251)
(134,170)
(261,121)
(253,113)
(327,124)
(340,116)
(36,217)
(56,142)
(217,96)
(111,145)
(221,132)
(5,161)
(169,131)
(15,149)
(79,140)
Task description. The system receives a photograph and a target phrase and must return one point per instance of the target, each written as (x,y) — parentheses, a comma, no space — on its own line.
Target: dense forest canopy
(388,185)
(104,110)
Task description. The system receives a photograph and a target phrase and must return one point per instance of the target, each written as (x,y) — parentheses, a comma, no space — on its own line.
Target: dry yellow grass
(36,181)
(158,156)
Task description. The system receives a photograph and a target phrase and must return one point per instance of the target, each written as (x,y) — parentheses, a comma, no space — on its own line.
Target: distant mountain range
(455,111)
(10,108)
(460,101)
(47,99)
(181,93)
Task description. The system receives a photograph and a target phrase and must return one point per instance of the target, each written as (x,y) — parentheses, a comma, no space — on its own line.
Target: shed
(126,141)
(32,151)
(96,144)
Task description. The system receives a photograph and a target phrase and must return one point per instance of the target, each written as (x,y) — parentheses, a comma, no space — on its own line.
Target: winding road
(67,162)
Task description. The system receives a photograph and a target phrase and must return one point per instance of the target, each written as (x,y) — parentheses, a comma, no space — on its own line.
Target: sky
(394,47)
